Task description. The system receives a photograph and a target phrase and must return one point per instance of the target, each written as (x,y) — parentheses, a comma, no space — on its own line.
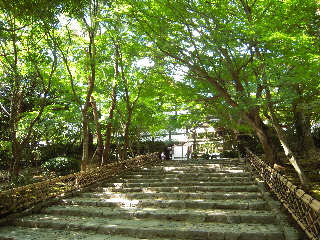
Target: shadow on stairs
(219,199)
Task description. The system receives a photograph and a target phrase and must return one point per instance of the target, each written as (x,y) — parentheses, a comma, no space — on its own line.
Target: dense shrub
(56,150)
(5,153)
(205,156)
(25,177)
(230,154)
(61,165)
(316,136)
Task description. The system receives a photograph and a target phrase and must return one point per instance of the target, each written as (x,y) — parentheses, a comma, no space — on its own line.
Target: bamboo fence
(16,199)
(303,208)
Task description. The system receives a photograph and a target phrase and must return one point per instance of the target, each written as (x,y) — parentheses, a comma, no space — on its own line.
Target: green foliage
(56,150)
(5,153)
(149,147)
(206,58)
(61,166)
(205,156)
(229,154)
(25,177)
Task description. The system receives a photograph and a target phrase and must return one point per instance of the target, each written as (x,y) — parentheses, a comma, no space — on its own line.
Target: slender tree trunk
(16,155)
(126,135)
(138,143)
(91,28)
(98,130)
(85,127)
(107,144)
(16,148)
(285,143)
(15,110)
(85,142)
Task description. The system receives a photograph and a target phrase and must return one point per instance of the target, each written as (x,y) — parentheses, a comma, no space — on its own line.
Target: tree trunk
(98,130)
(85,142)
(91,81)
(126,135)
(305,143)
(16,156)
(107,144)
(285,143)
(268,146)
(16,148)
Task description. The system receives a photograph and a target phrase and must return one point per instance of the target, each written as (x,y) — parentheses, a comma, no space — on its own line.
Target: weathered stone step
(199,173)
(174,195)
(178,180)
(188,164)
(154,228)
(194,199)
(24,233)
(187,175)
(201,161)
(192,181)
(195,163)
(180,189)
(194,168)
(192,215)
(200,203)
(190,167)
(126,184)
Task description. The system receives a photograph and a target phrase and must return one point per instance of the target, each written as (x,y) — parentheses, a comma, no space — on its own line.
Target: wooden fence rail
(303,208)
(18,198)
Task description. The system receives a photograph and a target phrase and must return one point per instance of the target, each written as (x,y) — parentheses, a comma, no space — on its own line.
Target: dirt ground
(311,167)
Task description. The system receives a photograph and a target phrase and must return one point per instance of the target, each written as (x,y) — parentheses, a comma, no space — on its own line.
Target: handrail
(22,197)
(303,208)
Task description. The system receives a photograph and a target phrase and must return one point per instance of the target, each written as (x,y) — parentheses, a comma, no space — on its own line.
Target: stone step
(196,166)
(24,233)
(122,178)
(154,228)
(125,184)
(180,189)
(187,175)
(192,215)
(201,161)
(174,195)
(121,202)
(187,165)
(192,169)
(195,199)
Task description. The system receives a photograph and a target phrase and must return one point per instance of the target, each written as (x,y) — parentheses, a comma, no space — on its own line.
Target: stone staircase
(187,199)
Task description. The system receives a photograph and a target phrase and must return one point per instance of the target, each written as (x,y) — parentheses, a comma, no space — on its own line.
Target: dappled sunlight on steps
(187,199)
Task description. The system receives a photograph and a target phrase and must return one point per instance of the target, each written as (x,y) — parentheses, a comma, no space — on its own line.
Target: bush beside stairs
(220,199)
